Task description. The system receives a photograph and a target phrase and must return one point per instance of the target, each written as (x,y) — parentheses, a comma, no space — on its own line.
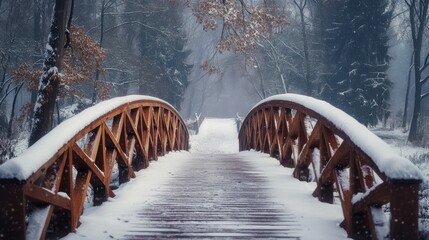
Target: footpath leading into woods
(213,191)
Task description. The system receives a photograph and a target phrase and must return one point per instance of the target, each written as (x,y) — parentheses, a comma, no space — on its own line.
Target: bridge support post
(404,206)
(12,208)
(302,174)
(326,193)
(100,194)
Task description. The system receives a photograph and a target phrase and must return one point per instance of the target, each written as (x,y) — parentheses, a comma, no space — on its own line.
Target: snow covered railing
(238,121)
(344,156)
(43,190)
(194,124)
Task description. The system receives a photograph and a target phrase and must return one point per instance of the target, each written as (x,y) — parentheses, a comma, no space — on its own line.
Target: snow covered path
(213,191)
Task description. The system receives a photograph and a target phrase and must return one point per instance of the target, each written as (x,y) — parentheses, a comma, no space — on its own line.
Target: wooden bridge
(211,194)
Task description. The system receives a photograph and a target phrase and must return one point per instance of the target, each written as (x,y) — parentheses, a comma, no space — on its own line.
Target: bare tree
(301,5)
(418,18)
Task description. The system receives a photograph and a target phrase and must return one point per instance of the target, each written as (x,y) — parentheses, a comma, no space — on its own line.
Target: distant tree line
(336,50)
(333,49)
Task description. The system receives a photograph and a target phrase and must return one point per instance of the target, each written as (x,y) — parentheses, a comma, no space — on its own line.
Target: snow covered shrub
(419,158)
(7,148)
(193,124)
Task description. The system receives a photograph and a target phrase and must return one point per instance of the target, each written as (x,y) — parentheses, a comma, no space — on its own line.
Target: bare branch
(424,80)
(425,64)
(424,95)
(140,24)
(131,13)
(8,92)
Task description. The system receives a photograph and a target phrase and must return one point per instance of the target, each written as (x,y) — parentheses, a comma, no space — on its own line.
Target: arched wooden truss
(117,143)
(301,137)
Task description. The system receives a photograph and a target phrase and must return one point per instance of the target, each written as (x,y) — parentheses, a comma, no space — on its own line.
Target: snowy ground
(217,136)
(398,140)
(420,157)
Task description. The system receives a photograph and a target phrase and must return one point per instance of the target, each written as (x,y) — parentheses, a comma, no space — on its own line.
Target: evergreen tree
(356,48)
(329,25)
(162,50)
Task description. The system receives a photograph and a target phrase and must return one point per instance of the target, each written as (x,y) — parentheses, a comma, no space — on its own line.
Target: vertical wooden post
(61,219)
(302,174)
(124,173)
(326,193)
(326,189)
(100,194)
(404,206)
(12,209)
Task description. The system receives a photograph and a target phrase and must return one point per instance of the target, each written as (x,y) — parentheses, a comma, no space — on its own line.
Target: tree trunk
(301,8)
(97,72)
(12,112)
(50,79)
(37,36)
(418,11)
(413,135)
(407,94)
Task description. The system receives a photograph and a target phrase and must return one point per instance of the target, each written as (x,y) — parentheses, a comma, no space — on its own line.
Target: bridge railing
(193,124)
(324,144)
(43,190)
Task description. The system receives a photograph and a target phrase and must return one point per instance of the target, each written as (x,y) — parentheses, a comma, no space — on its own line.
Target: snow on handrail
(22,166)
(387,159)
(324,144)
(103,145)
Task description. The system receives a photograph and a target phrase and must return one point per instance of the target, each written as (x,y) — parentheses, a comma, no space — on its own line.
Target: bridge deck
(215,196)
(213,192)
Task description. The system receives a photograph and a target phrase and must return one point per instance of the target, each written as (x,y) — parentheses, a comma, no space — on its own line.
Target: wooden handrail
(345,157)
(44,189)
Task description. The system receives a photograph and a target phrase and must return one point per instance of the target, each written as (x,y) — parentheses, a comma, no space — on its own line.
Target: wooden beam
(43,195)
(376,196)
(120,152)
(339,160)
(89,163)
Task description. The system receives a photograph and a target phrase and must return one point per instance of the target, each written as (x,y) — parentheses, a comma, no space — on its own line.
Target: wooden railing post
(12,209)
(404,206)
(326,194)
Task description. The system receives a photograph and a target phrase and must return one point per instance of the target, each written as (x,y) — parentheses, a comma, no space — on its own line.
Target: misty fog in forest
(218,58)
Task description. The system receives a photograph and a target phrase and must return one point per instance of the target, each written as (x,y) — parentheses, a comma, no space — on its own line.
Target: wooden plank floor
(215,196)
